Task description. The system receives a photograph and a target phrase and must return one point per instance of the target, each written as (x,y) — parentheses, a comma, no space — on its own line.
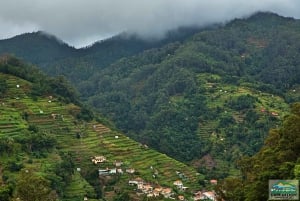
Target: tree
(5,192)
(33,187)
(277,159)
(3,86)
(124,196)
(231,189)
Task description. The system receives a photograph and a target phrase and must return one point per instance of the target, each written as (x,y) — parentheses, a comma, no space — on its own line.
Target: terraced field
(218,94)
(84,140)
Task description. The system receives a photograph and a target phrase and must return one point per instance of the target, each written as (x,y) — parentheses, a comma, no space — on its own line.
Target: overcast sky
(81,22)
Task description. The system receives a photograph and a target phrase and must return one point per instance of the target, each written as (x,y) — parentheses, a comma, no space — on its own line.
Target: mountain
(48,141)
(212,96)
(38,47)
(207,97)
(57,58)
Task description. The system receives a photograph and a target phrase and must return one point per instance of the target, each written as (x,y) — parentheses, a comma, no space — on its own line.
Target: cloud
(81,22)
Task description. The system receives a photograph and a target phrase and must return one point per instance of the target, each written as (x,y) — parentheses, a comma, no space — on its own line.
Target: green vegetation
(203,96)
(46,145)
(279,158)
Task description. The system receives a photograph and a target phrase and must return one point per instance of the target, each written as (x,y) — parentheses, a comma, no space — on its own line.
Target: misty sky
(81,22)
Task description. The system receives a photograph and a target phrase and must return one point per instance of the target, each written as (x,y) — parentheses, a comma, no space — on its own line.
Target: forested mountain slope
(207,97)
(214,95)
(57,58)
(38,47)
(279,158)
(47,142)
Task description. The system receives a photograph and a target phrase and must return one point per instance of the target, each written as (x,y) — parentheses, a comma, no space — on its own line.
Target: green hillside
(55,57)
(38,47)
(278,159)
(45,143)
(206,97)
(214,95)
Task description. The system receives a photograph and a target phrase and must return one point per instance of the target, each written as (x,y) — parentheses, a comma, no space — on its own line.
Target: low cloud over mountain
(82,22)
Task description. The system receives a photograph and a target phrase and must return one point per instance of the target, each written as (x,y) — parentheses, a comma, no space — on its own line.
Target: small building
(213,181)
(167,192)
(156,193)
(107,171)
(210,195)
(178,184)
(132,182)
(198,196)
(149,195)
(136,181)
(147,188)
(113,171)
(181,197)
(130,170)
(158,189)
(184,188)
(98,159)
(118,163)
(103,172)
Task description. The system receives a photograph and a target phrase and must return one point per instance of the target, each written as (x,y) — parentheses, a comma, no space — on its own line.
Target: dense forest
(277,159)
(222,83)
(203,96)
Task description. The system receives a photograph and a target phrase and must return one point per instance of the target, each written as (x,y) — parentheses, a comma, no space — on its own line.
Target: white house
(98,159)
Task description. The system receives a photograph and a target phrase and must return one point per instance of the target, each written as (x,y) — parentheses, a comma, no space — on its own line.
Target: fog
(80,23)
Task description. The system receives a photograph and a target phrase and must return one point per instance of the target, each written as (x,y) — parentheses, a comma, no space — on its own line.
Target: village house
(54,115)
(143,188)
(156,193)
(158,189)
(132,182)
(118,163)
(103,172)
(140,186)
(178,184)
(98,159)
(181,197)
(113,171)
(147,188)
(198,196)
(130,170)
(167,192)
(149,195)
(136,181)
(107,171)
(209,195)
(213,181)
(205,195)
